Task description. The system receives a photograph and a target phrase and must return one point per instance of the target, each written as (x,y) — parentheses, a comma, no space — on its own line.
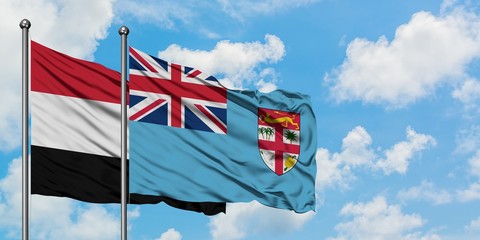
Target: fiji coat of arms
(279,139)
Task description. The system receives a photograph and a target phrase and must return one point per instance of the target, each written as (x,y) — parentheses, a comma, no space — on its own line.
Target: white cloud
(337,169)
(53,217)
(170,234)
(11,196)
(474,163)
(238,63)
(249,219)
(242,9)
(265,87)
(411,66)
(58,24)
(468,94)
(377,220)
(331,171)
(473,226)
(468,140)
(268,80)
(133,213)
(448,5)
(172,14)
(355,150)
(92,222)
(425,191)
(420,236)
(398,157)
(470,194)
(160,12)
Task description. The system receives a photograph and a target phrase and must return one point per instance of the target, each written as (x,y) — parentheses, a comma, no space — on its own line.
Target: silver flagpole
(25,26)
(123,31)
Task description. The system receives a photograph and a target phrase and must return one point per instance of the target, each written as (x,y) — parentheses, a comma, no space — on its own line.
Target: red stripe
(284,147)
(278,163)
(279,149)
(140,58)
(176,107)
(212,118)
(146,109)
(57,73)
(183,89)
(194,74)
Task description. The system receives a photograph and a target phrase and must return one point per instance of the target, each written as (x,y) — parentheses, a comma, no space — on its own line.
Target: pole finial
(123,30)
(25,24)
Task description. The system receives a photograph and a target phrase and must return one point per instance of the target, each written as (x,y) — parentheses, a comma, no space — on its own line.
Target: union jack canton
(174,95)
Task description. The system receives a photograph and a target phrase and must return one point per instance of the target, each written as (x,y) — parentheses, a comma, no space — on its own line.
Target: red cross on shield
(279,139)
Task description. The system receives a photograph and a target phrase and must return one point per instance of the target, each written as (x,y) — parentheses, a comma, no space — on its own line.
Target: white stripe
(149,60)
(190,103)
(200,79)
(162,75)
(205,102)
(150,98)
(136,59)
(75,124)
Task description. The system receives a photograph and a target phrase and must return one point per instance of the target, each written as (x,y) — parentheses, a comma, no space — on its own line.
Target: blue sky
(394,85)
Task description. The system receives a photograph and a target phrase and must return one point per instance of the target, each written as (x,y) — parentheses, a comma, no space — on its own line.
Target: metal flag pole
(123,31)
(25,26)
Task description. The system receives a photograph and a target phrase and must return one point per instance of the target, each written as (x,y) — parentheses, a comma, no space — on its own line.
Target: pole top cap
(123,30)
(25,24)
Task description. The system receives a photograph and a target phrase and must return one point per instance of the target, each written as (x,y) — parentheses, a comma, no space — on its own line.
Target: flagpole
(123,31)
(25,26)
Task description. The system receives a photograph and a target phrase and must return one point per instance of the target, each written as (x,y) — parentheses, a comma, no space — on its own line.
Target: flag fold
(194,140)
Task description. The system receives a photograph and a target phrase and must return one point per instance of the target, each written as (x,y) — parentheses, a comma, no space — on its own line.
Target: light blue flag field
(192,139)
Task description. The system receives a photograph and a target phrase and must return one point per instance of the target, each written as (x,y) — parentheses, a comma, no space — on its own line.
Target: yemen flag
(75,132)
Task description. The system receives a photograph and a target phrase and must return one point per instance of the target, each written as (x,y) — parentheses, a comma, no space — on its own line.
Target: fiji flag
(194,140)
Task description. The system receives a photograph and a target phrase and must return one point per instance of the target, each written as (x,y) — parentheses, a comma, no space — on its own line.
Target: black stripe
(208,208)
(93,178)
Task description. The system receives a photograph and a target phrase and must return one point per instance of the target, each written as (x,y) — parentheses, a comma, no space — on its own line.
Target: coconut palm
(269,132)
(291,136)
(261,130)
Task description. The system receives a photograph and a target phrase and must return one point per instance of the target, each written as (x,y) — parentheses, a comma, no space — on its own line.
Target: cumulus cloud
(425,191)
(378,220)
(469,94)
(170,234)
(52,217)
(235,64)
(473,226)
(472,193)
(250,219)
(398,157)
(355,151)
(337,169)
(474,163)
(411,66)
(468,140)
(58,24)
